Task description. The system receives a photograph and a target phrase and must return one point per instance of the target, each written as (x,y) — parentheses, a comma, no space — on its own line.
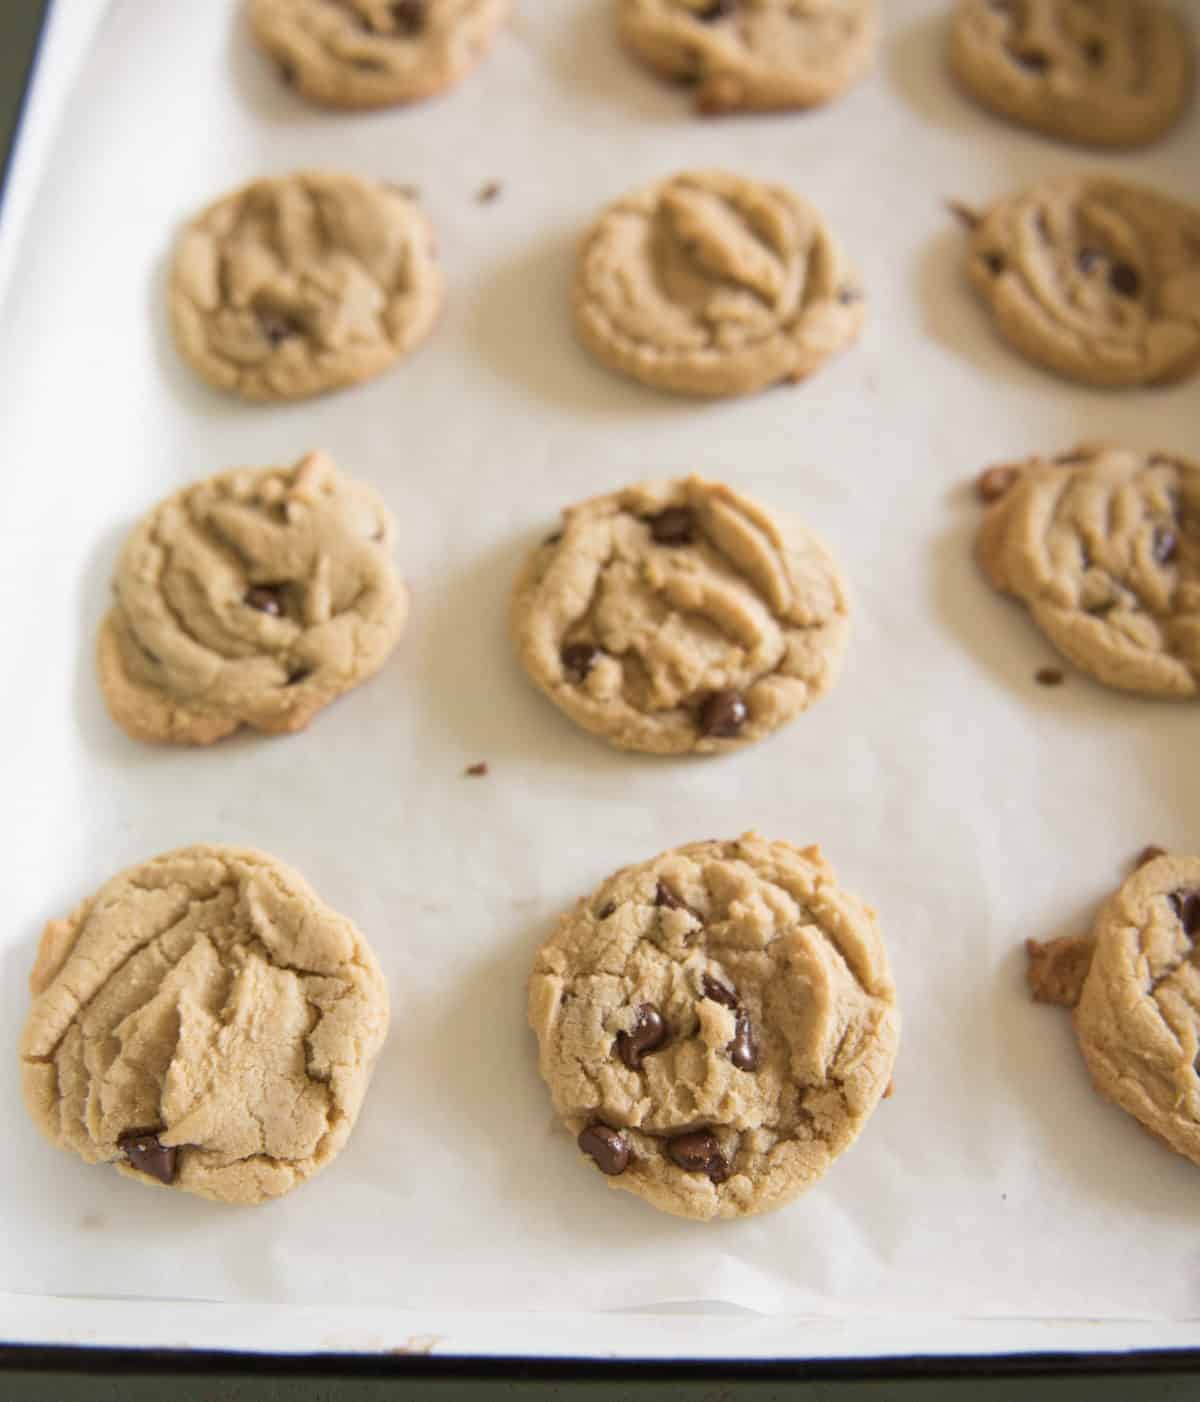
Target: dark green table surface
(64,1375)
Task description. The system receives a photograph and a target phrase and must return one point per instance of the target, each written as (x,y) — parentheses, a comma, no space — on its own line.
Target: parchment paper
(971,806)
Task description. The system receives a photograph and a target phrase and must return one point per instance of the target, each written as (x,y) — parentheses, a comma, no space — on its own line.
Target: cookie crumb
(1148,854)
(891,1090)
(993,482)
(1057,970)
(489,192)
(1049,676)
(964,212)
(477,771)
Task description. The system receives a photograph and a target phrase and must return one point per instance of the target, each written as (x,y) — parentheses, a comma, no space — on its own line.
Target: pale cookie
(712,284)
(304,283)
(375,53)
(1136,983)
(1099,72)
(255,597)
(679,617)
(206,1022)
(755,55)
(1094,278)
(716,1025)
(1103,546)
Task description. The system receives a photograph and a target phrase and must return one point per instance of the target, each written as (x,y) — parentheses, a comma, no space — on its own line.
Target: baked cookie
(716,1025)
(206,1022)
(375,53)
(1103,546)
(304,283)
(255,597)
(754,55)
(712,284)
(680,618)
(1099,72)
(1094,278)
(1135,985)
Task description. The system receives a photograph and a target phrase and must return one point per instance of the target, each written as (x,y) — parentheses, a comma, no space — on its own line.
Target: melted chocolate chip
(1033,59)
(298,675)
(1087,258)
(1049,676)
(674,526)
(408,15)
(1094,52)
(699,1152)
(265,598)
(648,1034)
(715,10)
(1165,544)
(578,659)
(993,482)
(1124,280)
(723,715)
(1186,905)
(720,992)
(277,327)
(147,1154)
(664,896)
(606,910)
(995,263)
(607,1147)
(743,1050)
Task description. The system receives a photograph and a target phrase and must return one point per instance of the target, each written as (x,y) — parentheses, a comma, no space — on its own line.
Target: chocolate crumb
(477,771)
(1049,676)
(489,192)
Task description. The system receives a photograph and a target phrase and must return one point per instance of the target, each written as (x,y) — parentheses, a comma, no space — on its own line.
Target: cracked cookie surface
(711,284)
(716,1025)
(301,284)
(255,597)
(680,617)
(375,53)
(754,55)
(206,1022)
(1103,546)
(1135,985)
(1096,279)
(1098,72)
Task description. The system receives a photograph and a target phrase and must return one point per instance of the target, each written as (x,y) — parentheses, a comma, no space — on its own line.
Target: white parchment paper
(972,807)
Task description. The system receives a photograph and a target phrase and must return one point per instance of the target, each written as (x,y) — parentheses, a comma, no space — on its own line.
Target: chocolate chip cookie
(754,55)
(1094,278)
(1102,544)
(1101,72)
(375,53)
(255,597)
(716,1025)
(680,618)
(302,284)
(1134,982)
(206,1022)
(712,284)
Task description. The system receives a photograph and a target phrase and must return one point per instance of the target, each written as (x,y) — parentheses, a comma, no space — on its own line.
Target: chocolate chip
(608,1147)
(277,327)
(578,659)
(648,1034)
(1186,905)
(1087,258)
(743,1050)
(1165,545)
(993,482)
(477,771)
(664,896)
(715,10)
(1049,676)
(606,910)
(1033,59)
(1148,854)
(266,598)
(719,992)
(298,675)
(723,715)
(674,526)
(1094,52)
(995,263)
(148,1155)
(408,15)
(699,1152)
(1124,280)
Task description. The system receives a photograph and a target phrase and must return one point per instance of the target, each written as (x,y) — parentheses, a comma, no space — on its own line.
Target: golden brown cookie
(716,1025)
(301,284)
(255,597)
(206,1022)
(680,618)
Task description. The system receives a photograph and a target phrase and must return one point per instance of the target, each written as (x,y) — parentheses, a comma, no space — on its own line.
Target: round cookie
(1138,1018)
(375,53)
(754,55)
(711,284)
(1104,73)
(1094,278)
(716,1025)
(679,617)
(1103,546)
(301,284)
(206,1022)
(255,597)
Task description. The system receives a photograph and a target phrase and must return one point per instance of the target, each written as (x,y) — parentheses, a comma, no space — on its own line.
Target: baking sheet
(972,807)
